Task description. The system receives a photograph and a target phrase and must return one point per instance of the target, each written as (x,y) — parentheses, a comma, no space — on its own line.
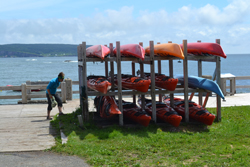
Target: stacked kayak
(133,82)
(203,48)
(202,83)
(133,112)
(166,50)
(106,106)
(196,111)
(131,50)
(98,83)
(163,112)
(163,81)
(99,51)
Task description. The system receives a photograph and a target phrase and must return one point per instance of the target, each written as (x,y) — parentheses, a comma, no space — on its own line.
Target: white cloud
(206,23)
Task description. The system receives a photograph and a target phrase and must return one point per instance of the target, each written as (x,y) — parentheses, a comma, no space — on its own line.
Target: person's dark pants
(57,98)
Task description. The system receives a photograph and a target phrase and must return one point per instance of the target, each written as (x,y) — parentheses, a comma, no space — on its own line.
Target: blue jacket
(52,86)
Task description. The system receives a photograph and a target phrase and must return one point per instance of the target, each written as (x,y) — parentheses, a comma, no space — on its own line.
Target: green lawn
(225,143)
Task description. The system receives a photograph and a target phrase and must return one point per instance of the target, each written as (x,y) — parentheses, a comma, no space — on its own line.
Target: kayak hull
(106,106)
(163,112)
(196,111)
(134,83)
(133,50)
(99,51)
(166,50)
(98,83)
(133,112)
(163,81)
(202,83)
(201,48)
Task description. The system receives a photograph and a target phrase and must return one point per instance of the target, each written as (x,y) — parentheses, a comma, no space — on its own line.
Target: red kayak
(97,51)
(196,111)
(163,112)
(202,48)
(106,106)
(134,83)
(133,50)
(98,83)
(163,81)
(135,113)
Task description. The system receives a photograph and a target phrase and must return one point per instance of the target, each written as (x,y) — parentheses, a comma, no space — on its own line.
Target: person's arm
(50,96)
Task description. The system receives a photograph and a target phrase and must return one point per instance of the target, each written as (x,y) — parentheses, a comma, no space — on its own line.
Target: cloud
(206,23)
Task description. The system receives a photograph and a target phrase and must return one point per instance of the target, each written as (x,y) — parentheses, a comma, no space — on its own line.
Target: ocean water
(15,71)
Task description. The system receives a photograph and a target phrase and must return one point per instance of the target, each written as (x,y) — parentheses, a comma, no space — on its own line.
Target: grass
(225,143)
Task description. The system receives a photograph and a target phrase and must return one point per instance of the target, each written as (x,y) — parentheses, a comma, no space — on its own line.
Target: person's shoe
(61,113)
(49,118)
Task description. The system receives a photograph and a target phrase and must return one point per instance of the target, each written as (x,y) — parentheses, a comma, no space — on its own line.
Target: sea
(15,71)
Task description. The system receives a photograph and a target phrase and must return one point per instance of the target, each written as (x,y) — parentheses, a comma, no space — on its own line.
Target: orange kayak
(97,51)
(203,48)
(135,113)
(133,50)
(163,112)
(166,49)
(163,81)
(134,83)
(106,106)
(196,111)
(98,83)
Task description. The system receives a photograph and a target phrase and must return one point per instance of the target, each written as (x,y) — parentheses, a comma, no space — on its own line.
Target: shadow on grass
(105,129)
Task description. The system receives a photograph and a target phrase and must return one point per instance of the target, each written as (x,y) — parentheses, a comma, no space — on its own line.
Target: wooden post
(119,78)
(171,74)
(133,73)
(85,87)
(218,71)
(185,72)
(28,90)
(106,67)
(200,75)
(152,69)
(159,72)
(24,94)
(63,92)
(69,92)
(112,67)
(142,76)
(80,64)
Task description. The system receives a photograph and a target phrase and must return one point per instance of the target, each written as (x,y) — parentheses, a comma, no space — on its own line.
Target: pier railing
(66,92)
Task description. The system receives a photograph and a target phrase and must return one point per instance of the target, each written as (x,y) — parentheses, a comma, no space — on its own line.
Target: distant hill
(38,50)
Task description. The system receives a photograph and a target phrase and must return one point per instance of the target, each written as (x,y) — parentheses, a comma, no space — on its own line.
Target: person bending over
(51,91)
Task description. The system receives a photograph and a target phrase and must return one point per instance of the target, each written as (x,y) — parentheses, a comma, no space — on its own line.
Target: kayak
(134,83)
(97,51)
(133,112)
(196,111)
(202,83)
(106,106)
(166,49)
(203,48)
(163,112)
(133,50)
(163,81)
(98,83)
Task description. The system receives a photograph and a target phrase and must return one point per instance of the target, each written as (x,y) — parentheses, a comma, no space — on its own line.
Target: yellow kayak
(166,49)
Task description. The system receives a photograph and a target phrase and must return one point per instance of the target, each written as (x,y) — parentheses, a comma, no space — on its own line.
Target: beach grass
(225,143)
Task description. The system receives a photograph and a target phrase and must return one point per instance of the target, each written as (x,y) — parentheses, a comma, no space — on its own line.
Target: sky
(131,21)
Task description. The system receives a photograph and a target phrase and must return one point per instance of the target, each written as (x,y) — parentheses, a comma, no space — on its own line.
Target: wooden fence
(66,92)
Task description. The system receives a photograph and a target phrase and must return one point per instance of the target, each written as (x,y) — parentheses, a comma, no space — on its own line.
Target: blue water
(15,71)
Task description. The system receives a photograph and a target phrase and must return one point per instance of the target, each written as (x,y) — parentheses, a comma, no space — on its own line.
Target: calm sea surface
(15,71)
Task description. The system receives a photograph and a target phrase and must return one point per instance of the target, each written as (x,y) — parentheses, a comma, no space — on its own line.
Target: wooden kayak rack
(109,62)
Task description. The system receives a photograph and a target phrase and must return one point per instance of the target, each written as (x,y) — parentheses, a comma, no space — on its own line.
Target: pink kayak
(97,51)
(134,50)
